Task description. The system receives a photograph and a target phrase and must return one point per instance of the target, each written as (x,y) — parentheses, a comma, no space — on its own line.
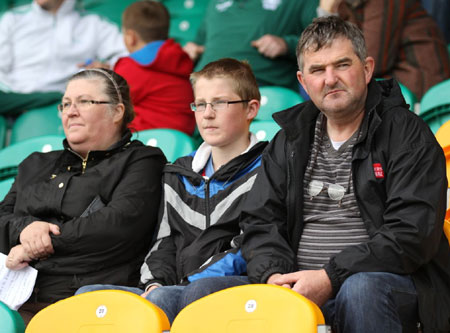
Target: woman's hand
(36,240)
(17,258)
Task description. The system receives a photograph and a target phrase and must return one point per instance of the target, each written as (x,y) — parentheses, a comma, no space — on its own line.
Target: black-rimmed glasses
(82,104)
(216,105)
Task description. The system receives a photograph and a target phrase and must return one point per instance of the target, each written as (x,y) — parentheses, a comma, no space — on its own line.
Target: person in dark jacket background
(157,70)
(84,214)
(349,204)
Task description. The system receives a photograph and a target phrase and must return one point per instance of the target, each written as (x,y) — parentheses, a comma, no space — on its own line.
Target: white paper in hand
(16,286)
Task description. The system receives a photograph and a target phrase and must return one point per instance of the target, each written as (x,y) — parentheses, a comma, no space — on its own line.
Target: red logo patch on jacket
(378,170)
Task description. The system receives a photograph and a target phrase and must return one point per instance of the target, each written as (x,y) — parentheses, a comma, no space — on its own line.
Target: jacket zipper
(207,210)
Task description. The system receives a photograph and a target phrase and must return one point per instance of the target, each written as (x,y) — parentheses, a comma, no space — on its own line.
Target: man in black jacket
(349,204)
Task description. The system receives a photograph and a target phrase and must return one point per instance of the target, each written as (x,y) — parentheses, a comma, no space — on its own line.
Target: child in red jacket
(157,70)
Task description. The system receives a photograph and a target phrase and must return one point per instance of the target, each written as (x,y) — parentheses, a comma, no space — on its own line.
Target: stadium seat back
(264,130)
(109,9)
(12,155)
(3,129)
(443,137)
(274,99)
(255,308)
(10,320)
(37,122)
(408,95)
(435,105)
(5,186)
(103,311)
(173,143)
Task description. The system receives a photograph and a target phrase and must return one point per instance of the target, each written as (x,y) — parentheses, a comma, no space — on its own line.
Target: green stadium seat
(264,130)
(173,143)
(12,155)
(409,96)
(3,129)
(110,9)
(37,122)
(5,185)
(275,99)
(10,320)
(435,105)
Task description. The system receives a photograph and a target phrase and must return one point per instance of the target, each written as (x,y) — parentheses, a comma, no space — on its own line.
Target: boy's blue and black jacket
(199,221)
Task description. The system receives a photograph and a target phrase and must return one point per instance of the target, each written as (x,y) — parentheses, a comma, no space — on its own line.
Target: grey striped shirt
(330,225)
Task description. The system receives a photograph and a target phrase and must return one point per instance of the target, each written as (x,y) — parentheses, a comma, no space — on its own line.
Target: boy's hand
(145,293)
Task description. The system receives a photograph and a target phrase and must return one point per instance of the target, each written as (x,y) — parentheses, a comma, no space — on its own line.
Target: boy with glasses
(198,235)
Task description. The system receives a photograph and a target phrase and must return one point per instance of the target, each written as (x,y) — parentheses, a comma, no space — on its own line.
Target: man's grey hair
(323,31)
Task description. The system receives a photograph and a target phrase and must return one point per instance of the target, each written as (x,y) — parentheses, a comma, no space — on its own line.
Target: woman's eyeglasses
(82,104)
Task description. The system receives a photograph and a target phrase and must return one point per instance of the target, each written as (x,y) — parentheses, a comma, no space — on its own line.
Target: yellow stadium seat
(257,308)
(443,137)
(103,311)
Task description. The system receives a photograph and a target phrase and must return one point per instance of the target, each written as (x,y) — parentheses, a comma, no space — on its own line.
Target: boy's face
(223,128)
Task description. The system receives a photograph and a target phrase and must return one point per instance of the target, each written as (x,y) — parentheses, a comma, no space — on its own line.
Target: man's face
(49,5)
(336,79)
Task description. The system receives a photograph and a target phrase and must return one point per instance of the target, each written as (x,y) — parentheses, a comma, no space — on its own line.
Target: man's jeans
(172,299)
(374,302)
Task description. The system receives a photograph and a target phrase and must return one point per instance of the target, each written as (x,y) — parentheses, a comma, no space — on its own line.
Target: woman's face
(90,126)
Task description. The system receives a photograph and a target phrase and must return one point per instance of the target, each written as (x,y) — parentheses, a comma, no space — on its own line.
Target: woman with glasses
(84,214)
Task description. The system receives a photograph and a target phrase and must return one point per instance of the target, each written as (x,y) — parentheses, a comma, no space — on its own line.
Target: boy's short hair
(150,19)
(242,78)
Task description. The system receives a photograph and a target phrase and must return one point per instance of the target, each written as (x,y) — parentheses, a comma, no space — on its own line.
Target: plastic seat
(447,226)
(12,155)
(257,308)
(10,320)
(435,105)
(37,122)
(173,143)
(409,96)
(110,9)
(5,186)
(275,99)
(443,137)
(103,311)
(264,130)
(3,129)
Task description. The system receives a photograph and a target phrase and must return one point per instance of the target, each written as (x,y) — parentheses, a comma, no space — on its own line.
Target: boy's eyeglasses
(335,191)
(216,105)
(82,104)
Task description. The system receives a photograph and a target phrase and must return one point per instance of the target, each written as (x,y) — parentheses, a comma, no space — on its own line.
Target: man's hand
(270,46)
(17,258)
(193,50)
(313,284)
(145,293)
(330,6)
(36,240)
